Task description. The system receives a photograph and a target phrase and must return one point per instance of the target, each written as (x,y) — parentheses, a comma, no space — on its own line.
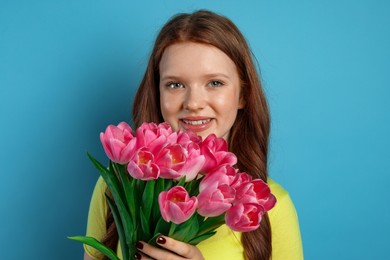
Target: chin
(205,134)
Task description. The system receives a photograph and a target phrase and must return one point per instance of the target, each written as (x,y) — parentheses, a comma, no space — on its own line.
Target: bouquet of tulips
(163,182)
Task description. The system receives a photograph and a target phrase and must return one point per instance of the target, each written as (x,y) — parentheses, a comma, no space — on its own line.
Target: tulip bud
(176,205)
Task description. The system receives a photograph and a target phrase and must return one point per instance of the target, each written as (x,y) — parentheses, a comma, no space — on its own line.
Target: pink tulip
(193,165)
(156,130)
(215,192)
(175,162)
(244,217)
(215,151)
(241,178)
(181,157)
(117,143)
(256,191)
(153,136)
(188,137)
(176,205)
(170,160)
(222,175)
(143,166)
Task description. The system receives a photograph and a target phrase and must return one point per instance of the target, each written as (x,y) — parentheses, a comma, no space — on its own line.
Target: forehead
(195,57)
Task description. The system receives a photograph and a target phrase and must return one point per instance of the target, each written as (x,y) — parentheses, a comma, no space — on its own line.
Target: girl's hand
(175,250)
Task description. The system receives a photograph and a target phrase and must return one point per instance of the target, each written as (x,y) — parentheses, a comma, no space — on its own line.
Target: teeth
(196,122)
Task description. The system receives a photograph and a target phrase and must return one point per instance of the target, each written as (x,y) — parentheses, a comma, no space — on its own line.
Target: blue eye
(215,83)
(174,85)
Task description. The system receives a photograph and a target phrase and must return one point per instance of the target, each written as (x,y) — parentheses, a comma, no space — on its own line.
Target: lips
(196,124)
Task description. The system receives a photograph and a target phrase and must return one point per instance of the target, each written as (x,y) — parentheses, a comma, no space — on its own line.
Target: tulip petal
(244,217)
(176,205)
(192,167)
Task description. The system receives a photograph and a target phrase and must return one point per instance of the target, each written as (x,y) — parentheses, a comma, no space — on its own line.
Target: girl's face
(199,89)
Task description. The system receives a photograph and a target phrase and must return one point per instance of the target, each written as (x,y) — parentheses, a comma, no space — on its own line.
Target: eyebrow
(217,75)
(169,77)
(211,75)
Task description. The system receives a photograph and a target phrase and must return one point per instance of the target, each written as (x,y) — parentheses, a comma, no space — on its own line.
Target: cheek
(165,104)
(228,106)
(164,107)
(169,110)
(228,102)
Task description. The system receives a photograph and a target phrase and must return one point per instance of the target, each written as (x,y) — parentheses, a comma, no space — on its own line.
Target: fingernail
(139,245)
(161,240)
(137,256)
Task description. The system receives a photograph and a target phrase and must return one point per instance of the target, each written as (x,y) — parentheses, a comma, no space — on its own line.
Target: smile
(196,122)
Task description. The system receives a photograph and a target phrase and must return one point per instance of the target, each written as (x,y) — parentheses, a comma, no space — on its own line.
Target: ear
(241,103)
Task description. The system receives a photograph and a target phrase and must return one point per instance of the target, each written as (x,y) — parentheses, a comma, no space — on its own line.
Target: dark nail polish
(139,245)
(161,240)
(137,256)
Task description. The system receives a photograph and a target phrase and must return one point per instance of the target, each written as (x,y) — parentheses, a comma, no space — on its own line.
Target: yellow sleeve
(286,236)
(96,226)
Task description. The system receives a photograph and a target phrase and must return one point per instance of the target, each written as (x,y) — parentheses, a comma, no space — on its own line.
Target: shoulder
(284,203)
(276,189)
(101,185)
(98,206)
(284,206)
(286,237)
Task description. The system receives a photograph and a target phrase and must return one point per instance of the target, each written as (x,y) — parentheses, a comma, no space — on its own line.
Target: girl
(201,76)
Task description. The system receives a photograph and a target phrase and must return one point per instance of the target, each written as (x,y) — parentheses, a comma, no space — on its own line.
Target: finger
(150,252)
(139,255)
(183,249)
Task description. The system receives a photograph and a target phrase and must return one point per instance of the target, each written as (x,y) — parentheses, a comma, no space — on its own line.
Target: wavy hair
(249,135)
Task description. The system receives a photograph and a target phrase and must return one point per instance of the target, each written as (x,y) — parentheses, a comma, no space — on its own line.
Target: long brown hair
(250,133)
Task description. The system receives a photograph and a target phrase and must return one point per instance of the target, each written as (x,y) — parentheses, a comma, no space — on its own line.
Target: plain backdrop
(70,68)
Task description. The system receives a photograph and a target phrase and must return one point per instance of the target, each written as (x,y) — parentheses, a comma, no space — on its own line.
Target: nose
(195,99)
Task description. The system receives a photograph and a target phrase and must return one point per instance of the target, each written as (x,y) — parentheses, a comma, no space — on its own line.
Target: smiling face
(199,89)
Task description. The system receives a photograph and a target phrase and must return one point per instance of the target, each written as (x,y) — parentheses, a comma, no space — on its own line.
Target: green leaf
(119,226)
(201,219)
(144,224)
(147,198)
(136,234)
(187,230)
(109,177)
(152,241)
(182,181)
(96,244)
(211,224)
(117,193)
(196,240)
(192,187)
(168,184)
(159,187)
(128,189)
(171,229)
(162,227)
(139,185)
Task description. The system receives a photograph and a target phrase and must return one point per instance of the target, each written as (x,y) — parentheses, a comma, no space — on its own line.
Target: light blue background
(69,68)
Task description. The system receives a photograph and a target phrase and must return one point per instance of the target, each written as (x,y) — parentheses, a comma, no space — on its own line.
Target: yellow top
(225,244)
